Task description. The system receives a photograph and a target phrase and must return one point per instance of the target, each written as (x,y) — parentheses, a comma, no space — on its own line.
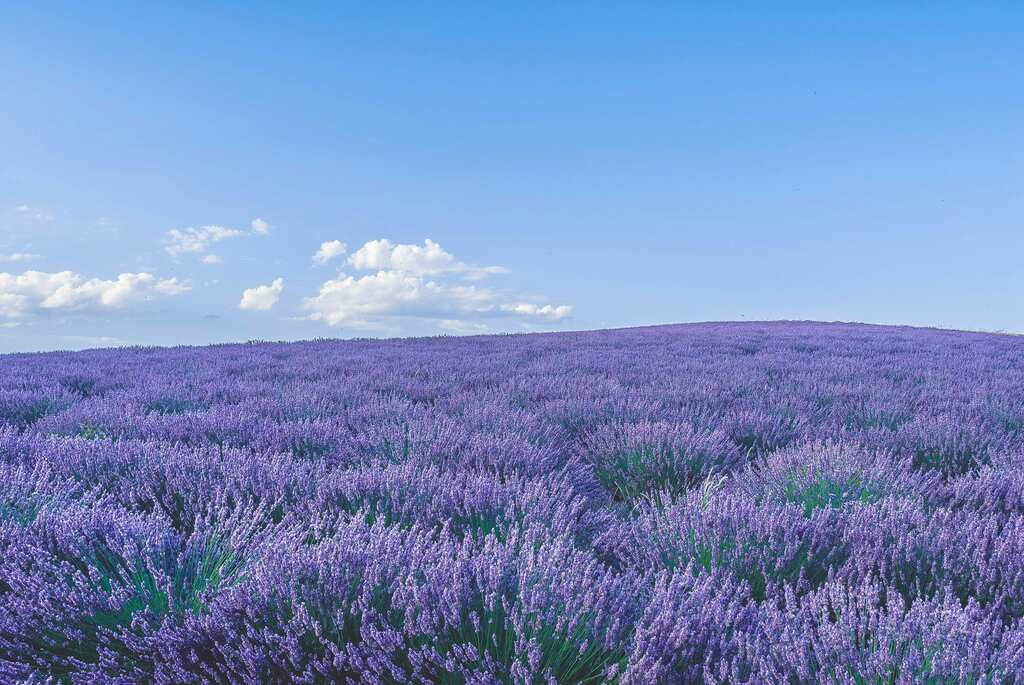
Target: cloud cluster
(419,282)
(392,287)
(66,290)
(198,241)
(429,259)
(262,297)
(329,249)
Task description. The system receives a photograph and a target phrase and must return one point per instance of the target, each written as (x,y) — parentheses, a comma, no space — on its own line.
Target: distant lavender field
(721,503)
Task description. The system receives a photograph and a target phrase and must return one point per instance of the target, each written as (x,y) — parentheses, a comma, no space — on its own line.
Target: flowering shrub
(718,503)
(637,459)
(832,475)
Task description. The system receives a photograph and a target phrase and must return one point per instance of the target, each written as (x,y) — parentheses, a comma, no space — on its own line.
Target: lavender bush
(719,503)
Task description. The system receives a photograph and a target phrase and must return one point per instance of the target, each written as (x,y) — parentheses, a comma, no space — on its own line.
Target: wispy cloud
(197,241)
(18,257)
(30,213)
(97,340)
(458,327)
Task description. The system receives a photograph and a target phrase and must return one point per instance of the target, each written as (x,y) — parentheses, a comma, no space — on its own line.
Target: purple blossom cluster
(717,503)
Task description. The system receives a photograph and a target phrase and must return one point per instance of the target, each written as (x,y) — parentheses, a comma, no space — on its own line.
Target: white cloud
(418,282)
(329,249)
(413,259)
(358,301)
(262,297)
(171,287)
(37,290)
(195,240)
(18,257)
(430,259)
(13,304)
(97,340)
(463,327)
(541,312)
(199,240)
(30,213)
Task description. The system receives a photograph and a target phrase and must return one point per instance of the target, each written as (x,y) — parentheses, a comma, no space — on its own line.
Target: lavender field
(721,503)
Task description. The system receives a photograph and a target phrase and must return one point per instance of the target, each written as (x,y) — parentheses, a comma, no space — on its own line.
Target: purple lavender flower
(718,503)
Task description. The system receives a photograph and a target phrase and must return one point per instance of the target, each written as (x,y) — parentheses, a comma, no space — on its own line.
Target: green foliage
(81,386)
(950,460)
(377,507)
(490,637)
(634,474)
(757,561)
(26,415)
(169,405)
(118,593)
(19,511)
(826,492)
(89,431)
(570,655)
(1012,424)
(867,419)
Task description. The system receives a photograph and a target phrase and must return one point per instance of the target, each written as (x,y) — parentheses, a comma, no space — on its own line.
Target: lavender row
(763,503)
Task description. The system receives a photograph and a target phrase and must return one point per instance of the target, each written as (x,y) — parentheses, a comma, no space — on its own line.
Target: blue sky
(572,165)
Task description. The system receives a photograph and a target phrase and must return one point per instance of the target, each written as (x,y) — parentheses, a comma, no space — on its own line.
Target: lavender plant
(718,503)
